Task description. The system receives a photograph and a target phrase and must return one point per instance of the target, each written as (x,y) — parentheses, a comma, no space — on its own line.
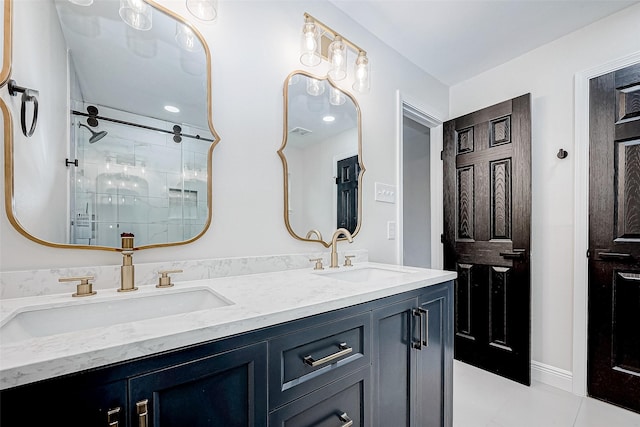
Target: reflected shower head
(95,136)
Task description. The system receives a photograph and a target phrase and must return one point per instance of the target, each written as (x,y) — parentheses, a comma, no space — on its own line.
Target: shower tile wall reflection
(138,181)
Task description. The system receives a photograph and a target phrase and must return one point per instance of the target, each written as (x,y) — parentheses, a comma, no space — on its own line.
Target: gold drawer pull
(143,413)
(348,422)
(344,349)
(113,417)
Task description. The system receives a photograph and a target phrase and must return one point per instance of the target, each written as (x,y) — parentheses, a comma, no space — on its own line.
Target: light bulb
(337,53)
(309,44)
(361,83)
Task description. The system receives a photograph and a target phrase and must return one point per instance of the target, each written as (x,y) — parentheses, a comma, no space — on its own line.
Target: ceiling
(455,40)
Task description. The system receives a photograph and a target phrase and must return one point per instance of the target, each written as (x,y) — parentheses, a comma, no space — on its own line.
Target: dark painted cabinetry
(227,389)
(383,363)
(413,361)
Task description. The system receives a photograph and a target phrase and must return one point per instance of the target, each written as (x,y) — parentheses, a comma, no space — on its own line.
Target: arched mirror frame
(8,143)
(285,166)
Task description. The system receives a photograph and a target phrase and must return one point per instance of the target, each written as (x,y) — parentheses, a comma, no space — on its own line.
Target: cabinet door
(434,368)
(227,389)
(342,403)
(393,364)
(77,401)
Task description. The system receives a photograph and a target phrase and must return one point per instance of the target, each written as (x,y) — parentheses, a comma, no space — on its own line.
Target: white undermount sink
(47,320)
(365,274)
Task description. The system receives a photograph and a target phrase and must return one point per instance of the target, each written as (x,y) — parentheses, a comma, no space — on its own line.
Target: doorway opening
(420,187)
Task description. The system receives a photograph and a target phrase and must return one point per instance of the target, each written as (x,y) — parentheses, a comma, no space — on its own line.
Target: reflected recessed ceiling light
(171,109)
(328,119)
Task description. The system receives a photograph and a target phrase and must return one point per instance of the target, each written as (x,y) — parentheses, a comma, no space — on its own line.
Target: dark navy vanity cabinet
(386,362)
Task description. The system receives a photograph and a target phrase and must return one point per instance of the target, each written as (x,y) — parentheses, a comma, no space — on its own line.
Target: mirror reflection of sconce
(28,95)
(321,42)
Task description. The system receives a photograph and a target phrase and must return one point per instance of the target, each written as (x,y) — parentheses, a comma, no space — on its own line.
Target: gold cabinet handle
(113,417)
(348,422)
(344,349)
(143,412)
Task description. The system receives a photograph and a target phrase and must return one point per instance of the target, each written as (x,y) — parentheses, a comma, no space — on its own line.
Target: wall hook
(562,154)
(28,95)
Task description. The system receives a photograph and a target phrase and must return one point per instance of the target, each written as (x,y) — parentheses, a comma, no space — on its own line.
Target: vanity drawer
(310,358)
(341,403)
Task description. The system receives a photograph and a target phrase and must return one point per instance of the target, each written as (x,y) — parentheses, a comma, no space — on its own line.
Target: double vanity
(234,342)
(364,345)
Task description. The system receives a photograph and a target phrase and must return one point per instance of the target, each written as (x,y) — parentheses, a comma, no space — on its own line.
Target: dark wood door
(614,238)
(347,182)
(226,389)
(487,217)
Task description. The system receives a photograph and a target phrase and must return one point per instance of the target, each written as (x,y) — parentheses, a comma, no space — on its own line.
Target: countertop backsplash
(17,284)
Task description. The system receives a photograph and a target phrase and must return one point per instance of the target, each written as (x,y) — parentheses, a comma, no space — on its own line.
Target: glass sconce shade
(338,59)
(136,14)
(315,87)
(310,44)
(205,10)
(336,97)
(362,78)
(186,39)
(82,2)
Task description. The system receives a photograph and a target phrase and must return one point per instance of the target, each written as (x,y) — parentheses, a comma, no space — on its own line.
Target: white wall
(548,74)
(255,46)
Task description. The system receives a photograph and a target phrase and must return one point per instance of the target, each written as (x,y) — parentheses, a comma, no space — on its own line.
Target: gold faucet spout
(334,244)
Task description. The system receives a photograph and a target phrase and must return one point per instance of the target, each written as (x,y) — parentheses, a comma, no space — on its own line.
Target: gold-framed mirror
(132,153)
(321,155)
(5,45)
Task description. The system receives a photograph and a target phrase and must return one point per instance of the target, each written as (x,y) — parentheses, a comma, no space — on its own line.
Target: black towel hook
(562,154)
(28,95)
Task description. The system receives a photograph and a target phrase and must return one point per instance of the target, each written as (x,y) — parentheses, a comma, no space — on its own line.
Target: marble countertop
(259,300)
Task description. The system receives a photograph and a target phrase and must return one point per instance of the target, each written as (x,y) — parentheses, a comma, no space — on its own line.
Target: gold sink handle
(164,281)
(84,288)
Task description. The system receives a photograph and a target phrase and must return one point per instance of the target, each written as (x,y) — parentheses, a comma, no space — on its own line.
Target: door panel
(614,238)
(487,215)
(347,182)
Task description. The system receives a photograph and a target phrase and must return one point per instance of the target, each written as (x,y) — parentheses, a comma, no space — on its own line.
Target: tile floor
(484,400)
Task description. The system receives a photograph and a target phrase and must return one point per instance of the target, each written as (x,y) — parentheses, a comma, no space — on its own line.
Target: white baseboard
(552,376)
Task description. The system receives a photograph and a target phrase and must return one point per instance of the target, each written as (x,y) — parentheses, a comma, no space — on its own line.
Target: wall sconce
(316,36)
(205,10)
(136,14)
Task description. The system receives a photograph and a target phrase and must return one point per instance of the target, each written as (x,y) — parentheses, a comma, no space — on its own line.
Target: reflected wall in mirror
(321,156)
(132,154)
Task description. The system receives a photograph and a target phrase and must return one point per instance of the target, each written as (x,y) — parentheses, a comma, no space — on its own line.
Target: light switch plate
(385,193)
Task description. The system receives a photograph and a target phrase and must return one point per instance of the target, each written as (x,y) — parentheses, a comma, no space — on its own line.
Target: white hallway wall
(255,45)
(548,74)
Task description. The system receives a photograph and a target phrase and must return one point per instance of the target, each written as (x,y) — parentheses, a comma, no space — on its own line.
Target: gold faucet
(334,245)
(127,276)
